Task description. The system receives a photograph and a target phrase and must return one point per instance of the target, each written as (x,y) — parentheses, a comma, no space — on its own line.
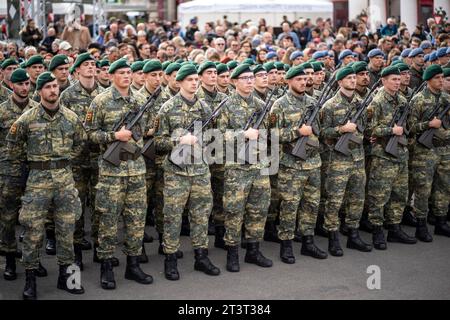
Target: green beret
(295,71)
(180,61)
(360,66)
(184,71)
(36,59)
(23,65)
(343,72)
(71,70)
(103,63)
(432,71)
(165,64)
(240,69)
(82,58)
(446,72)
(222,68)
(402,66)
(206,65)
(316,66)
(307,65)
(351,64)
(9,62)
(232,64)
(19,75)
(173,67)
(118,64)
(43,79)
(258,68)
(269,66)
(249,61)
(286,67)
(137,66)
(152,65)
(390,70)
(58,60)
(311,60)
(279,65)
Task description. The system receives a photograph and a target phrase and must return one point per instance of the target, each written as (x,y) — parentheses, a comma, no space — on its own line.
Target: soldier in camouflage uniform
(298,180)
(13,174)
(4,94)
(49,136)
(345,177)
(185,183)
(362,79)
(78,98)
(388,175)
(35,66)
(246,190)
(430,168)
(318,76)
(417,56)
(138,75)
(121,190)
(102,76)
(7,68)
(223,79)
(309,71)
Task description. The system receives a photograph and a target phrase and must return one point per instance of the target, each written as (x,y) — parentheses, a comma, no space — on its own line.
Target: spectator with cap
(376,63)
(417,65)
(296,58)
(65,48)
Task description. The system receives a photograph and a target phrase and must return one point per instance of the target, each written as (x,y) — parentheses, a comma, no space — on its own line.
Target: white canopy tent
(240,10)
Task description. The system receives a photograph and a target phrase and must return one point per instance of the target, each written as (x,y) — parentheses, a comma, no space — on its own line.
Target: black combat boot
(366,225)
(320,229)
(431,218)
(77,250)
(233,258)
(379,241)
(134,272)
(41,271)
(185,226)
(354,241)
(422,231)
(408,218)
(202,263)
(63,279)
(344,229)
(161,249)
(147,238)
(50,247)
(29,292)
(396,234)
(85,244)
(310,249)
(253,255)
(170,267)
(297,236)
(441,227)
(218,237)
(143,258)
(114,260)
(334,247)
(270,232)
(10,268)
(107,275)
(286,252)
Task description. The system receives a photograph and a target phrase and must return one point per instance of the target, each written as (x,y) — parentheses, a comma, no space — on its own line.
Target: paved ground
(407,272)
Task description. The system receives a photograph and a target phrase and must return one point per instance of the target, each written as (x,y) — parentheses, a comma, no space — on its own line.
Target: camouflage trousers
(11,189)
(431,182)
(325,159)
(299,192)
(344,185)
(217,185)
(246,201)
(193,192)
(155,188)
(274,208)
(35,205)
(124,196)
(388,189)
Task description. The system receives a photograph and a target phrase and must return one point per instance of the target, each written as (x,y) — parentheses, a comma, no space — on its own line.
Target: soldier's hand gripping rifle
(308,119)
(400,117)
(129,120)
(342,143)
(243,152)
(426,138)
(181,154)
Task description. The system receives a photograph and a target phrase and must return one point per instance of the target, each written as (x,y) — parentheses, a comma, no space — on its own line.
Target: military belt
(49,165)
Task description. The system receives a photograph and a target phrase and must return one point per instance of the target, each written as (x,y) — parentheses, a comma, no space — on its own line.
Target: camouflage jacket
(107,109)
(332,116)
(40,137)
(4,94)
(10,112)
(173,118)
(211,99)
(153,110)
(422,106)
(380,113)
(285,115)
(32,90)
(374,76)
(407,93)
(362,94)
(231,122)
(314,93)
(416,78)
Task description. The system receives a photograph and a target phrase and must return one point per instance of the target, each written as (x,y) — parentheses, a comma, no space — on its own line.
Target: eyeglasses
(249,78)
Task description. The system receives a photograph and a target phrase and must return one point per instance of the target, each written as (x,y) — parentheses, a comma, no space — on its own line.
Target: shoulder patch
(13,129)
(89,117)
(156,123)
(273,119)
